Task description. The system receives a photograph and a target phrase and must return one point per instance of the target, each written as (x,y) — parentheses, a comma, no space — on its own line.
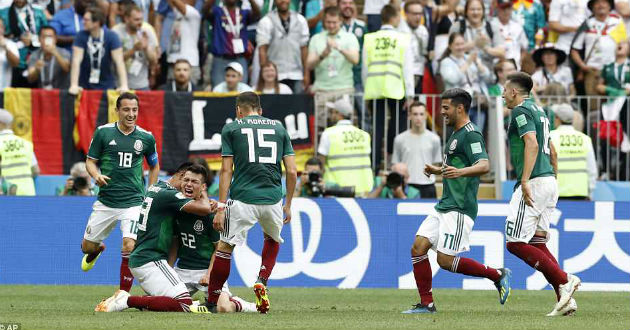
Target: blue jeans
(218,69)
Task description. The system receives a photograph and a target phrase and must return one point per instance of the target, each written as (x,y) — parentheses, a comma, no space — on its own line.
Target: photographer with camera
(394,184)
(312,182)
(79,183)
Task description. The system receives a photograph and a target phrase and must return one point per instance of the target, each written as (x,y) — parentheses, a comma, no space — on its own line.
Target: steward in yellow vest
(577,168)
(16,158)
(345,151)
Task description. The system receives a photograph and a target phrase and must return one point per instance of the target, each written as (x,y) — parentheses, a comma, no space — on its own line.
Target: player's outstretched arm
(201,206)
(478,169)
(291,175)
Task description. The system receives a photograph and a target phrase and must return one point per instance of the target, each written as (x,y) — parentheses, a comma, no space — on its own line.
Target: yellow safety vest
(572,148)
(385,56)
(16,157)
(348,161)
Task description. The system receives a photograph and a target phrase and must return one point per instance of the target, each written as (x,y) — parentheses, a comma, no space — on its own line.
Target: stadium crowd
(571,47)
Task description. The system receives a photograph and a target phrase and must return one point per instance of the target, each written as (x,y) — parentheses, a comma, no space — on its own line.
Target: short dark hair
(202,161)
(198,169)
(48,27)
(417,104)
(248,99)
(183,167)
(332,11)
(522,80)
(458,96)
(314,161)
(131,7)
(181,60)
(388,13)
(410,3)
(126,96)
(97,14)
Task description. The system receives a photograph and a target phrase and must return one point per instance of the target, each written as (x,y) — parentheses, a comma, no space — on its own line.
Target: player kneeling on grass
(447,230)
(162,204)
(193,248)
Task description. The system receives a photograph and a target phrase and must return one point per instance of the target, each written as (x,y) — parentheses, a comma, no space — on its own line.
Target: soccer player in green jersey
(148,262)
(536,192)
(255,146)
(448,228)
(114,160)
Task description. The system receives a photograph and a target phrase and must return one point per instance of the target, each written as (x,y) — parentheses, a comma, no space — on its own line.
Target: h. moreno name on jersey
(254,121)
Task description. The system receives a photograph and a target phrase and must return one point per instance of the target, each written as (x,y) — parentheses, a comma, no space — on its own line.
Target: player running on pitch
(255,146)
(193,248)
(117,149)
(448,228)
(162,203)
(536,192)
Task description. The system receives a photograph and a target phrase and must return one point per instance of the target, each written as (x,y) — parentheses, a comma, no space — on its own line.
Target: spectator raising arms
(184,36)
(93,52)
(68,22)
(9,58)
(268,82)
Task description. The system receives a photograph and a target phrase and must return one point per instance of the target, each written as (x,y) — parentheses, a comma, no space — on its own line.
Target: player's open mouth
(188,192)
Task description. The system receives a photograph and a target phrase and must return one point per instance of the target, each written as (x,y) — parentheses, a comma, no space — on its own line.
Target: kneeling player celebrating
(193,248)
(162,203)
(447,230)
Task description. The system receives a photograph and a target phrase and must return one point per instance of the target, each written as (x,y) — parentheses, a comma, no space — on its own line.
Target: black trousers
(426,190)
(396,124)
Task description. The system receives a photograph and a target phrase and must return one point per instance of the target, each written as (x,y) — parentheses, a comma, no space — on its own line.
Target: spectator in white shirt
(549,61)
(184,36)
(509,33)
(9,58)
(232,82)
(419,39)
(417,147)
(565,16)
(268,82)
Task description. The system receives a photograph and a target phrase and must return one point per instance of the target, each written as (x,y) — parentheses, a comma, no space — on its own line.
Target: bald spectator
(394,184)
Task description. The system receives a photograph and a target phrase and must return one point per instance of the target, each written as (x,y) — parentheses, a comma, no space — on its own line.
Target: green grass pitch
(71,307)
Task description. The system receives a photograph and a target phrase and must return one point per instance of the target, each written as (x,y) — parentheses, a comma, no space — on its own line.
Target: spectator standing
(549,61)
(314,13)
(232,82)
(478,33)
(9,58)
(184,37)
(622,7)
(468,72)
(268,82)
(443,17)
(509,33)
(68,22)
(372,10)
(48,67)
(596,41)
(531,16)
(419,40)
(181,81)
(615,80)
(19,165)
(387,78)
(93,52)
(394,184)
(22,23)
(282,38)
(117,10)
(417,147)
(577,168)
(229,35)
(139,47)
(353,25)
(345,151)
(565,16)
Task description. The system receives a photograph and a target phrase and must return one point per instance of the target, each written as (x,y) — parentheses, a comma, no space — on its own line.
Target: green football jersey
(529,117)
(120,157)
(155,227)
(196,240)
(465,147)
(257,145)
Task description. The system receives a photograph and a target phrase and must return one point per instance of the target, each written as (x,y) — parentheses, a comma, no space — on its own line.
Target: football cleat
(421,309)
(567,290)
(85,265)
(503,285)
(199,309)
(115,303)
(211,308)
(568,310)
(262,300)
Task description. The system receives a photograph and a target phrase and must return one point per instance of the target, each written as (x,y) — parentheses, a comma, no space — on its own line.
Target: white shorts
(523,221)
(240,217)
(448,232)
(157,278)
(191,278)
(103,220)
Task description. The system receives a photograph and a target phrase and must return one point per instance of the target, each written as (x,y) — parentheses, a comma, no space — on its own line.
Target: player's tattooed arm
(478,169)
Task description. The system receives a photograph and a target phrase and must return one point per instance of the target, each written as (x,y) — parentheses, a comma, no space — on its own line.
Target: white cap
(5,117)
(235,66)
(564,112)
(342,105)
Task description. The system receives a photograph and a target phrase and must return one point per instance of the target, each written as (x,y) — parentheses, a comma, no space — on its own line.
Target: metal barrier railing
(594,114)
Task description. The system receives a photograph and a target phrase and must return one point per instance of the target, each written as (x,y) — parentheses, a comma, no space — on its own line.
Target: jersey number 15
(262,143)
